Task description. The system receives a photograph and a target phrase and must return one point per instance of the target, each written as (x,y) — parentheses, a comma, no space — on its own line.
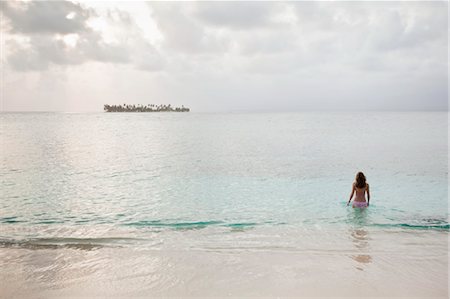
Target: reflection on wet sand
(360,238)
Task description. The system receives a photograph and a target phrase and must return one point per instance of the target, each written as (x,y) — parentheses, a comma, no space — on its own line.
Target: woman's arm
(368,194)
(351,194)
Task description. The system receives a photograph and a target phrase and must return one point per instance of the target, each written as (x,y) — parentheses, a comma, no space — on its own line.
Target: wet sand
(372,263)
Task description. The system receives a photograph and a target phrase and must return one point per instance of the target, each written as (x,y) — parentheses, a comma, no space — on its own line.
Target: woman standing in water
(360,187)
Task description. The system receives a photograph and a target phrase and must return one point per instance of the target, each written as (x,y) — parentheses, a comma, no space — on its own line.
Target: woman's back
(360,193)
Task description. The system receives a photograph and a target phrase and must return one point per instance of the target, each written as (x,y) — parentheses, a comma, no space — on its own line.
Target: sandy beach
(357,263)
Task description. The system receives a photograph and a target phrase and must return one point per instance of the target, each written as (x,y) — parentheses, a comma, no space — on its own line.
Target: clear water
(229,170)
(204,182)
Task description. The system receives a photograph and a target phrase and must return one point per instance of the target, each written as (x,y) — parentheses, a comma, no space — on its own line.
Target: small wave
(56,243)
(49,222)
(193,225)
(158,223)
(241,225)
(439,226)
(12,219)
(436,226)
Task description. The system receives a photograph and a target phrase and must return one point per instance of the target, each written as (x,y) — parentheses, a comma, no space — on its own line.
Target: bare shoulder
(367,185)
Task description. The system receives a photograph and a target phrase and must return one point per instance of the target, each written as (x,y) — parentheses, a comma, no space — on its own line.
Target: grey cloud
(44,23)
(379,27)
(43,51)
(367,37)
(221,27)
(395,30)
(92,47)
(145,57)
(182,32)
(46,17)
(266,43)
(237,15)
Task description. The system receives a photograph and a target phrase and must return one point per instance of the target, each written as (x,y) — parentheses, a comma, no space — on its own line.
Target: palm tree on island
(142,108)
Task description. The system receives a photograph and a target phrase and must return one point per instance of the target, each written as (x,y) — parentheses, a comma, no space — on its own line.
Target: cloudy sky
(224,56)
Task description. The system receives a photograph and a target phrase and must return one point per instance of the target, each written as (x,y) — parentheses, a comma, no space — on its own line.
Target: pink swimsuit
(360,194)
(359,204)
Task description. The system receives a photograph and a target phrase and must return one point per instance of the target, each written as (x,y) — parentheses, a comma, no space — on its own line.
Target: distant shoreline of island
(144,108)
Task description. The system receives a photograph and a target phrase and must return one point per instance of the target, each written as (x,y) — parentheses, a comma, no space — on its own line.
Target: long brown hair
(360,180)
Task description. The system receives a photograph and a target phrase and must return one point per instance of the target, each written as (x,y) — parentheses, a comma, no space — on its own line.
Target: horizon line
(239,111)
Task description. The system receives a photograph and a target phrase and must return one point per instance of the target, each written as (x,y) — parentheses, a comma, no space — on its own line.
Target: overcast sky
(224,56)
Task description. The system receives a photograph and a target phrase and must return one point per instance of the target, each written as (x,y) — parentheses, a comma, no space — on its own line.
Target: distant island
(142,108)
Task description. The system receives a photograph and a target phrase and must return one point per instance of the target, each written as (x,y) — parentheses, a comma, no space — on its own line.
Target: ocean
(223,204)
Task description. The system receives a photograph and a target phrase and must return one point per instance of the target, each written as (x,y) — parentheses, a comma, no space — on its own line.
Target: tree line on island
(144,108)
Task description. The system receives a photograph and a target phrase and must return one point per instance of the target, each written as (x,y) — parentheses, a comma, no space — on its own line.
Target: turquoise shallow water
(171,171)
(223,204)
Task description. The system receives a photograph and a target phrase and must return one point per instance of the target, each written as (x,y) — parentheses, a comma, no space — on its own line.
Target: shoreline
(360,263)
